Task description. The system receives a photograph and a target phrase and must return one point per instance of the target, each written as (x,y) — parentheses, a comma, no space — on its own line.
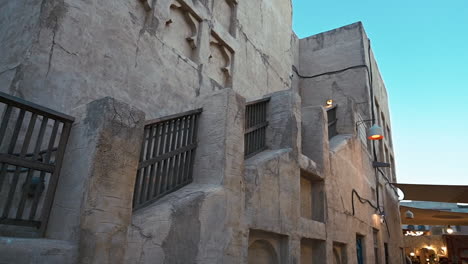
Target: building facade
(269,162)
(436,243)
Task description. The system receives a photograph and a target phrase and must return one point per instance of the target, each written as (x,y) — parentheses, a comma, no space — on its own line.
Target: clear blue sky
(422,51)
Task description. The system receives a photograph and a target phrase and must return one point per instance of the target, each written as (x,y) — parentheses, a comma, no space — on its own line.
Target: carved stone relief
(225,13)
(220,60)
(147,4)
(182,29)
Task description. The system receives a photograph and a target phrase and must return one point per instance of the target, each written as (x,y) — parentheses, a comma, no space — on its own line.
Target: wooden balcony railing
(167,156)
(32,144)
(256,124)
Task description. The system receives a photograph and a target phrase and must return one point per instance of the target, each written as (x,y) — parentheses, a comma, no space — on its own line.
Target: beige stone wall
(336,66)
(160,56)
(167,56)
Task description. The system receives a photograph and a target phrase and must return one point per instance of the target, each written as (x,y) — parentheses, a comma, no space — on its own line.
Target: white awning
(435,193)
(432,217)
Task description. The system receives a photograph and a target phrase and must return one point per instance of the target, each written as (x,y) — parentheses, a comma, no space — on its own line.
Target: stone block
(284,121)
(37,251)
(315,143)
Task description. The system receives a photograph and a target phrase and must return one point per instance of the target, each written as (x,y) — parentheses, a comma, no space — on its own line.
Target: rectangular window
(339,253)
(332,120)
(167,157)
(312,251)
(255,126)
(386,253)
(376,246)
(360,249)
(312,198)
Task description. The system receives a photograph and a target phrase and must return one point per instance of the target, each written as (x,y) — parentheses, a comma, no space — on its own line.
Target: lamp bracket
(363,121)
(377,164)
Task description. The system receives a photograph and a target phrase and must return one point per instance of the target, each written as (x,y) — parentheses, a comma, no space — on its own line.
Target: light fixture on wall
(382,217)
(375,132)
(449,230)
(329,103)
(409,215)
(412,254)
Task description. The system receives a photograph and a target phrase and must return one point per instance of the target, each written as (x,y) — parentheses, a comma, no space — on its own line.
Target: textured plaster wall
(202,222)
(157,55)
(20,26)
(167,56)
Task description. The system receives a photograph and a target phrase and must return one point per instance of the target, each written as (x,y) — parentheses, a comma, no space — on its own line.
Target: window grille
(167,156)
(32,144)
(255,127)
(332,120)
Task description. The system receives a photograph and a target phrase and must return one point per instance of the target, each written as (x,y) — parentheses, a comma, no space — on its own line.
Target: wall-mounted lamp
(375,132)
(329,103)
(412,254)
(409,214)
(382,217)
(449,230)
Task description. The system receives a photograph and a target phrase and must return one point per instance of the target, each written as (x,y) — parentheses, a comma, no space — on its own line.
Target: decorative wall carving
(147,4)
(182,29)
(226,14)
(220,60)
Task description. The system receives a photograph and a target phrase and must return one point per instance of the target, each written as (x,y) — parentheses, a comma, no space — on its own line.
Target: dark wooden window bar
(332,120)
(256,124)
(32,144)
(167,156)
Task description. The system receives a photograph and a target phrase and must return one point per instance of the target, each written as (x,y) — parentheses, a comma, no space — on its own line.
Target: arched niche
(262,252)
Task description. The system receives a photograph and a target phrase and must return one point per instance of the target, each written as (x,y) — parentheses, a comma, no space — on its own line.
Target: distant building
(436,242)
(191,132)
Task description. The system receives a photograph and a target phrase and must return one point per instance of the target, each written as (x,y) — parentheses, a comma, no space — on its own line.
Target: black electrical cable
(362,200)
(330,72)
(395,189)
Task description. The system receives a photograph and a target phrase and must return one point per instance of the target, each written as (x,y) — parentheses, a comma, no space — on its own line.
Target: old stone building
(254,141)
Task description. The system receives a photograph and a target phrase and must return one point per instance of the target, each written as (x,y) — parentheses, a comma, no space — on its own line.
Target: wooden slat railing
(167,156)
(32,143)
(256,124)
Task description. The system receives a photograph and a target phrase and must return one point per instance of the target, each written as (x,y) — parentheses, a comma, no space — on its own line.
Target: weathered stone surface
(315,145)
(284,121)
(37,251)
(210,209)
(81,51)
(167,56)
(93,202)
